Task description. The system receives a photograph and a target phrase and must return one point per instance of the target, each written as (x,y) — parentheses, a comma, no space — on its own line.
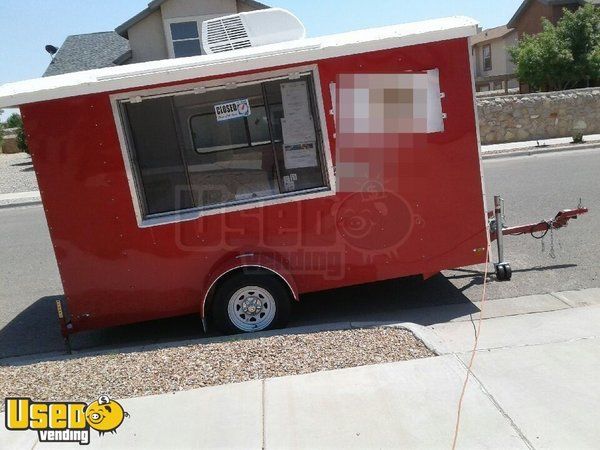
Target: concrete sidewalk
(536,147)
(536,384)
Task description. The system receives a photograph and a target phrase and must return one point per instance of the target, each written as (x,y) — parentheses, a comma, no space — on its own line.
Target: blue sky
(28,25)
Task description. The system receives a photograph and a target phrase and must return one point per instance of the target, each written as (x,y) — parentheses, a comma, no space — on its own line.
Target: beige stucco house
(164,29)
(173,28)
(493,65)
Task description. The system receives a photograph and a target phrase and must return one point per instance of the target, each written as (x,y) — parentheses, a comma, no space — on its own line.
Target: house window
(186,39)
(204,151)
(487,57)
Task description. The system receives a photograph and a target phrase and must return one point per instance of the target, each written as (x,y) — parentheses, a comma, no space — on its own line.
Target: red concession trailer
(229,184)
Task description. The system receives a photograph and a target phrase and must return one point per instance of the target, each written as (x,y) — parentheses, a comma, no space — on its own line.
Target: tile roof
(89,51)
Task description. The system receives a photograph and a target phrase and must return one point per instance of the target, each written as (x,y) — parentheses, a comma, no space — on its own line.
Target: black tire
(500,273)
(507,272)
(270,283)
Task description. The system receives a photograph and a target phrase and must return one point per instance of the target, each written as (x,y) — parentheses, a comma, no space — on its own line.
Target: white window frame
(329,190)
(198,19)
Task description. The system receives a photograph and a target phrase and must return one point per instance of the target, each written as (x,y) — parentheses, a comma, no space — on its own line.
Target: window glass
(300,157)
(487,57)
(216,156)
(276,110)
(258,126)
(186,39)
(233,176)
(183,49)
(159,161)
(184,30)
(209,135)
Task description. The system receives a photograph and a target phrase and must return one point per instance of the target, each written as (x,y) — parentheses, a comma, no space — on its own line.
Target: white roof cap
(181,69)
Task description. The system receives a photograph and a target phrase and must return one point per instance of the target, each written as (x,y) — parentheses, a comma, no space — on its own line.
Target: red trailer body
(423,213)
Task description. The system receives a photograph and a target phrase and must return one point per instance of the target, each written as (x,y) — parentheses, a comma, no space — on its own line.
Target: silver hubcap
(251,308)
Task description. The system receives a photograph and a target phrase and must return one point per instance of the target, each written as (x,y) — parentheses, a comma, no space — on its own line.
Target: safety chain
(551,252)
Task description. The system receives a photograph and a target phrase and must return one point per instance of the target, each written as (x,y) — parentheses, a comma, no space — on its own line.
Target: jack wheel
(503,272)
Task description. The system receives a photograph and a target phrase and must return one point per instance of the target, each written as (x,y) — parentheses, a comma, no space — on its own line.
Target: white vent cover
(251,29)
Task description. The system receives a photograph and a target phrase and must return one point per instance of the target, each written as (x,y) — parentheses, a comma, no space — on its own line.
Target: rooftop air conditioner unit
(251,29)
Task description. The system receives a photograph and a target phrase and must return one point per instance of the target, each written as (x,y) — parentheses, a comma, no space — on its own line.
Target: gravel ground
(16,174)
(173,369)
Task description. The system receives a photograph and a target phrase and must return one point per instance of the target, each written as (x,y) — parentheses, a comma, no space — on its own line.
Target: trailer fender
(249,261)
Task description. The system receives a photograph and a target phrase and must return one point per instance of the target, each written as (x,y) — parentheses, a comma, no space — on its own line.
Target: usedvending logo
(232,110)
(64,421)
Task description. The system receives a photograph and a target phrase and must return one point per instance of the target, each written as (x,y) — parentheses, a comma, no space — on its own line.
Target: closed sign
(232,110)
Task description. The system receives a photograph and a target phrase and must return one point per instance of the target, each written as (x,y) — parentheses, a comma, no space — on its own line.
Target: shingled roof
(89,51)
(491,34)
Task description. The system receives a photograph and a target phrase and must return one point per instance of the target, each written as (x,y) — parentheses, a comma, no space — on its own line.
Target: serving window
(223,146)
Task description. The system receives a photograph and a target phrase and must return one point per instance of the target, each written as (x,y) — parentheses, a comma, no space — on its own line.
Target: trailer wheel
(249,303)
(503,272)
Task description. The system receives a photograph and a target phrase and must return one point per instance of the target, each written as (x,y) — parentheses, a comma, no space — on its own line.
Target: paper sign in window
(298,156)
(289,182)
(298,131)
(232,110)
(294,97)
(297,126)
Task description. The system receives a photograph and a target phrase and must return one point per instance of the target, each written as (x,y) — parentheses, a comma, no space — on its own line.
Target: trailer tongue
(561,220)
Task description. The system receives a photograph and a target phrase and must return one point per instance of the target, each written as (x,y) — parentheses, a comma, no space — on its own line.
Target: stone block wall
(546,115)
(9,145)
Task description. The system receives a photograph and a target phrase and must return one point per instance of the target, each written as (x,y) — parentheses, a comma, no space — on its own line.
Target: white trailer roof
(181,69)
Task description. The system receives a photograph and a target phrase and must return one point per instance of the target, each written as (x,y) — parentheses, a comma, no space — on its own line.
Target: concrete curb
(143,347)
(425,333)
(18,199)
(427,336)
(538,150)
(21,204)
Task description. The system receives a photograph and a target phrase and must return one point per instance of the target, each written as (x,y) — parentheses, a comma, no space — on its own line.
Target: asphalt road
(534,187)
